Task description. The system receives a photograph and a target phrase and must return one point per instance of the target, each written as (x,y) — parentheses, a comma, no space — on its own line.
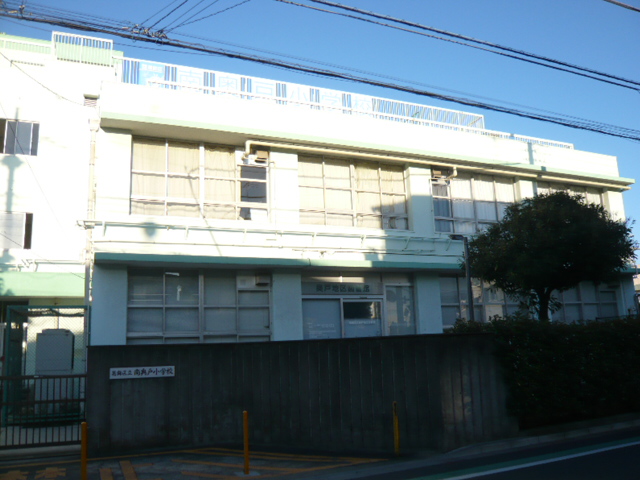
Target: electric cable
(170,12)
(196,14)
(216,13)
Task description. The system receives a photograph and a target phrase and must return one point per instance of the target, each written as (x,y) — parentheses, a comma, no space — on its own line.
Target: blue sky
(590,33)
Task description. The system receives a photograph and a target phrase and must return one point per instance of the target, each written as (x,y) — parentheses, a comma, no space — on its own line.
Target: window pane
(148,184)
(312,198)
(504,190)
(394,204)
(10,142)
(147,208)
(145,289)
(149,155)
(23,138)
(369,221)
(338,200)
(182,289)
(367,177)
(337,174)
(312,218)
(223,191)
(368,202)
(183,210)
(182,320)
(571,295)
(219,162)
(220,320)
(253,192)
(462,208)
(440,190)
(461,187)
(502,209)
(441,208)
(450,315)
(310,172)
(340,220)
(444,226)
(184,187)
(483,187)
(144,320)
(253,319)
(227,212)
(184,158)
(253,298)
(392,179)
(607,296)
(400,310)
(397,223)
(486,211)
(449,290)
(464,227)
(220,290)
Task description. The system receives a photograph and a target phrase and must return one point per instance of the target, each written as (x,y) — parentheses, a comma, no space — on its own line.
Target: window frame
(10,136)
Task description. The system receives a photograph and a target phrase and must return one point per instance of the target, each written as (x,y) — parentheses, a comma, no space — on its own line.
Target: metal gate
(37,411)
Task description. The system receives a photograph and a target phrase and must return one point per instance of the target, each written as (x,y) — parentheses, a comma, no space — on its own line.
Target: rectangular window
(19,138)
(15,230)
(352,194)
(197,180)
(591,194)
(190,306)
(469,203)
(586,302)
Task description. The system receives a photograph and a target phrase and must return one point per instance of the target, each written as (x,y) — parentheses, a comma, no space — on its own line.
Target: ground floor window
(193,306)
(586,302)
(357,306)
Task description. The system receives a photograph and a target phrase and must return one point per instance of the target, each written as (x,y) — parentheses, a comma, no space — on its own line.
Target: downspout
(94,125)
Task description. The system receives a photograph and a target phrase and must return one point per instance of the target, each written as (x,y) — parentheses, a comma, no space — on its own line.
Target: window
(468,203)
(591,194)
(586,302)
(352,194)
(197,180)
(189,306)
(487,300)
(15,230)
(19,138)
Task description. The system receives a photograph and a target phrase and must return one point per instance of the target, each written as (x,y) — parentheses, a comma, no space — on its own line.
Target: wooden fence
(326,394)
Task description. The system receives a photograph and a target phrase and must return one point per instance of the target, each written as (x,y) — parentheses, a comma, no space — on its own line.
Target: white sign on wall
(123,373)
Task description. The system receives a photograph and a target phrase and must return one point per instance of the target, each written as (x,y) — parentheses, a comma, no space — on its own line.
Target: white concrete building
(213,207)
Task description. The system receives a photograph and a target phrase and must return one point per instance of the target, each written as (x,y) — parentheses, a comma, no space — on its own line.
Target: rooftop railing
(97,51)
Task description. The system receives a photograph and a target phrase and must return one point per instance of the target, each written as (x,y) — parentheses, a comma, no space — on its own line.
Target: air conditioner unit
(263,280)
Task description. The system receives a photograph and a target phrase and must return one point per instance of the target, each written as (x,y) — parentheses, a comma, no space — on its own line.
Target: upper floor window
(19,138)
(469,203)
(15,230)
(591,194)
(352,194)
(197,180)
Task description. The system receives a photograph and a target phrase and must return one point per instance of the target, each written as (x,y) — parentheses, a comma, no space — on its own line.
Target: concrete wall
(328,395)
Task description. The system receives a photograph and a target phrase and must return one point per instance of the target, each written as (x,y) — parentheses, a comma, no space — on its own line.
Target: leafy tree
(550,243)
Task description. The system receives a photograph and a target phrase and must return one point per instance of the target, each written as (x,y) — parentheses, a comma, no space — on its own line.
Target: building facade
(195,206)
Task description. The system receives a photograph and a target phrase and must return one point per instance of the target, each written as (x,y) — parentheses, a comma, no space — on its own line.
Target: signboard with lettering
(123,373)
(331,288)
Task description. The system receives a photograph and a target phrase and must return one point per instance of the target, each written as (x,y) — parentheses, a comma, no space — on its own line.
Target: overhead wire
(216,13)
(470,39)
(181,15)
(170,12)
(612,130)
(196,14)
(159,11)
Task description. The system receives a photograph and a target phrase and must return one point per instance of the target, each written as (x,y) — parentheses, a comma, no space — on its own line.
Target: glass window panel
(502,210)
(440,190)
(450,315)
(310,172)
(253,319)
(608,310)
(181,340)
(144,341)
(572,313)
(461,187)
(368,202)
(486,211)
(254,192)
(367,176)
(220,290)
(338,200)
(607,296)
(444,226)
(394,204)
(10,141)
(147,208)
(340,220)
(483,188)
(397,223)
(147,184)
(504,190)
(369,221)
(543,188)
(588,292)
(253,173)
(220,190)
(149,155)
(181,320)
(571,295)
(392,179)
(145,289)
(590,311)
(462,288)
(253,298)
(184,187)
(464,227)
(144,320)
(312,198)
(492,294)
(449,290)
(321,319)
(493,311)
(476,286)
(220,320)
(184,158)
(23,138)
(227,212)
(181,289)
(312,218)
(337,174)
(219,162)
(183,210)
(400,317)
(441,207)
(462,208)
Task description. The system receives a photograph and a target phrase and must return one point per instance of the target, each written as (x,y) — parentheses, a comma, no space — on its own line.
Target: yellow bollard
(245,425)
(83,451)
(396,430)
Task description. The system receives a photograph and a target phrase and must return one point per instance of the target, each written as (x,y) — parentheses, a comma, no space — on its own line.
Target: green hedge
(559,373)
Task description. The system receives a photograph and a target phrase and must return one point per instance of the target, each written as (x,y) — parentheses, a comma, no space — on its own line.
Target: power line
(159,11)
(470,39)
(196,14)
(612,130)
(623,5)
(170,12)
(216,13)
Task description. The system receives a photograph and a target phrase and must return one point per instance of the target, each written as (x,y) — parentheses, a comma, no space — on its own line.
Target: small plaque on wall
(123,373)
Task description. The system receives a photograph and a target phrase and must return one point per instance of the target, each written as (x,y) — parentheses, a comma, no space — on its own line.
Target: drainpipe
(94,125)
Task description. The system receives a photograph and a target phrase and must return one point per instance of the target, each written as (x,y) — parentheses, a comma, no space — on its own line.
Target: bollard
(245,425)
(83,451)
(396,430)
